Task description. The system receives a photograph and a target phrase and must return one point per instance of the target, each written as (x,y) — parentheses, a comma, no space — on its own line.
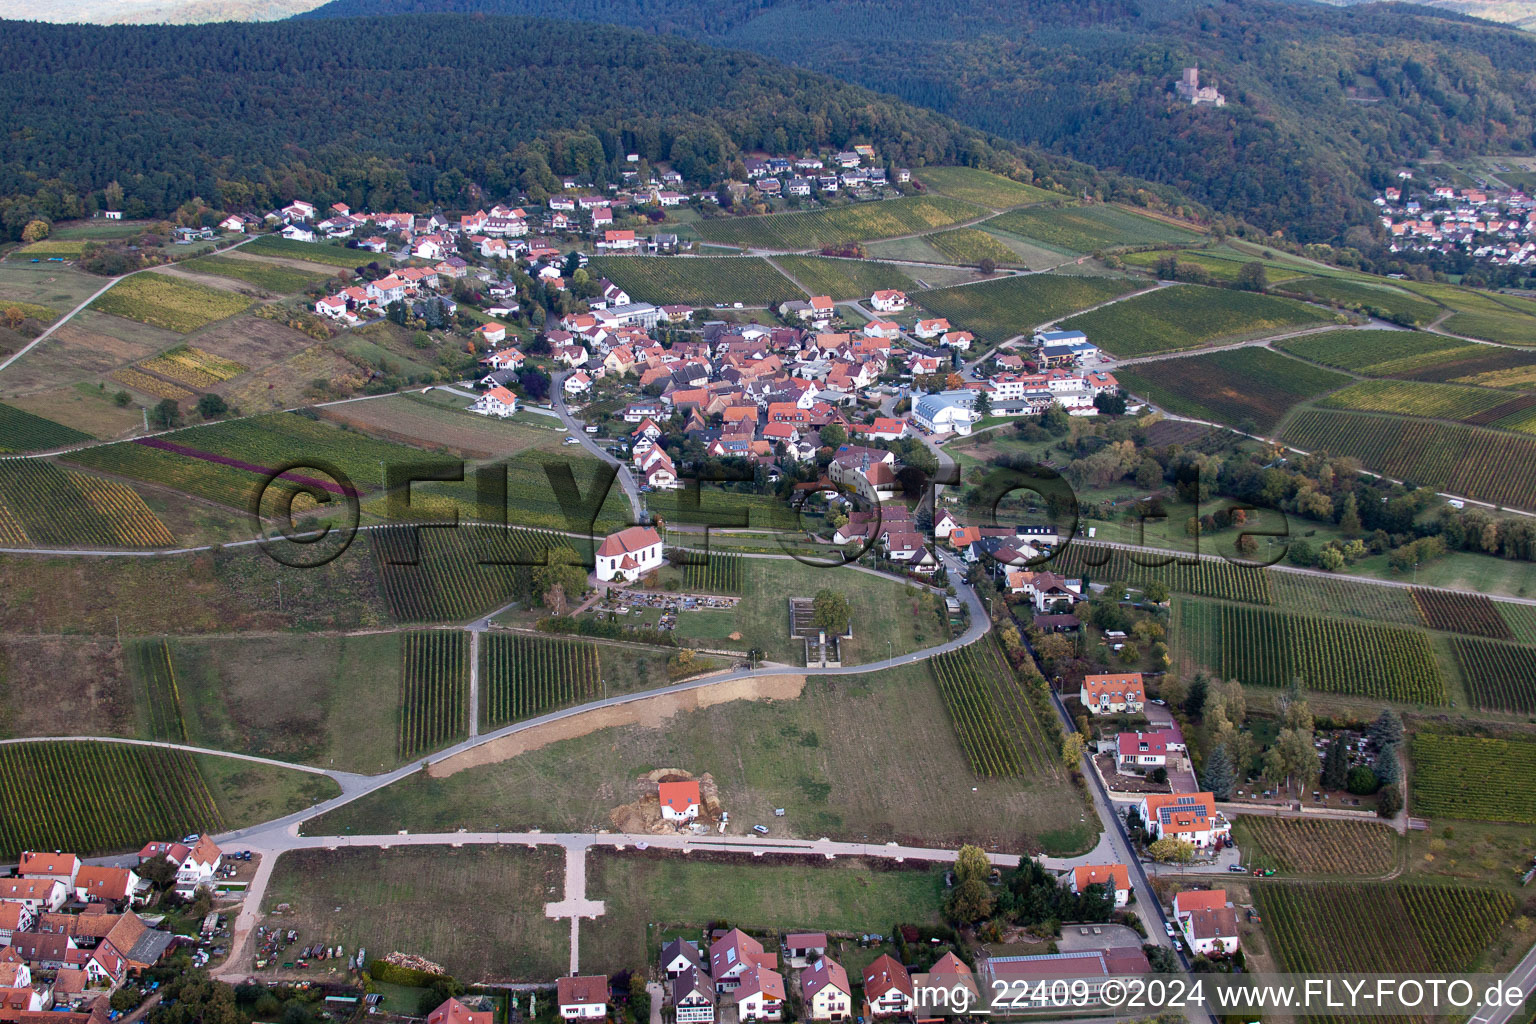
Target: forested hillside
(400,111)
(1322,101)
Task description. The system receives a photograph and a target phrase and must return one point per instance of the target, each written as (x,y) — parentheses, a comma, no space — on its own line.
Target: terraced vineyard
(815,229)
(1381,301)
(842,278)
(1221,265)
(157,694)
(44,506)
(1521,619)
(97,798)
(171,302)
(146,384)
(1208,577)
(314,252)
(997,310)
(1244,386)
(1479,314)
(696,280)
(1263,647)
(1499,676)
(973,185)
(721,574)
(1343,598)
(1473,777)
(1185,316)
(193,367)
(1318,846)
(971,245)
(1481,464)
(1459,612)
(1091,228)
(434,690)
(1412,355)
(1416,398)
(526,676)
(227,462)
(1370,927)
(23,432)
(457,574)
(272,277)
(1510,328)
(1000,725)
(1378,353)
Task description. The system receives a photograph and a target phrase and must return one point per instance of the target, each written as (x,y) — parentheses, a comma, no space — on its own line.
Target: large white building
(946,412)
(629,554)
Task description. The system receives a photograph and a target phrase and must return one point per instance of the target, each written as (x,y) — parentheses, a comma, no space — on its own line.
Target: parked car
(1238,868)
(761,830)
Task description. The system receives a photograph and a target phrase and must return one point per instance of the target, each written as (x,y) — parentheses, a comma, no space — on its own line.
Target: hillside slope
(406,110)
(1322,102)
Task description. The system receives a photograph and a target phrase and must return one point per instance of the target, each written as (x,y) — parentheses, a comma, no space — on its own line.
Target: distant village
(1496,226)
(776,388)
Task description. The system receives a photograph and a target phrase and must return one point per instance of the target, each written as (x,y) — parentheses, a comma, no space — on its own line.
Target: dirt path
(649,713)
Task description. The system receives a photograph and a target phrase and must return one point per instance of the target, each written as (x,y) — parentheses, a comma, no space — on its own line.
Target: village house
(1044,589)
(888,990)
(800,948)
(1116,879)
(825,991)
(679,955)
(629,554)
(693,997)
(61,867)
(732,955)
(1139,752)
(619,241)
(1191,817)
(36,894)
(583,997)
(888,301)
(454,1012)
(1207,920)
(15,917)
(679,800)
(498,402)
(96,884)
(760,995)
(1112,694)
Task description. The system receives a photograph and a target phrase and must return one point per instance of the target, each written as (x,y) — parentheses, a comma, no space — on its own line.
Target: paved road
(577,430)
(1524,977)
